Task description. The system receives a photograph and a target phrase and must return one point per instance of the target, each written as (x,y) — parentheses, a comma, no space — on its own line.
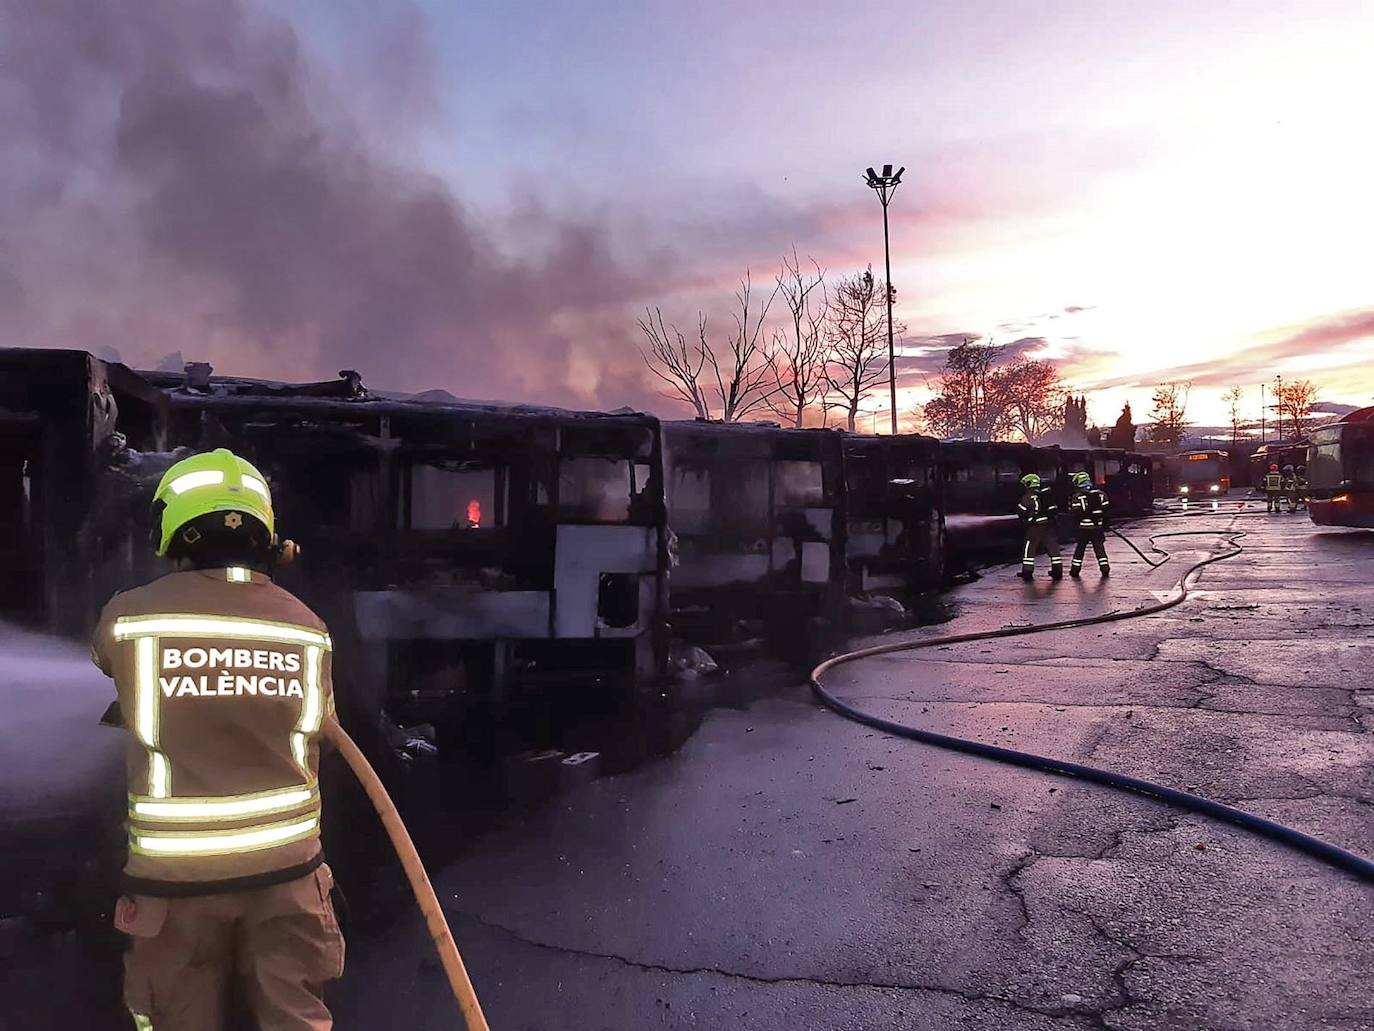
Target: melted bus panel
(894,513)
(757,523)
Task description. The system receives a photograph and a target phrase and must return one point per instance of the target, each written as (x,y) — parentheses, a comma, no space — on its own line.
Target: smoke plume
(176,176)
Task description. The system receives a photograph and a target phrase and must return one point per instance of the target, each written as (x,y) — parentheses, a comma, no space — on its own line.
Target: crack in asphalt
(1132,955)
(1008,878)
(967,995)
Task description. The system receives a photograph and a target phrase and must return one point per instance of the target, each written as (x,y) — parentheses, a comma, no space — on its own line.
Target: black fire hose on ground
(1338,857)
(1131,544)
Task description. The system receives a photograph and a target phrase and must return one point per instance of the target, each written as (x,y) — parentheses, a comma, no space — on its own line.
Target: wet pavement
(789,869)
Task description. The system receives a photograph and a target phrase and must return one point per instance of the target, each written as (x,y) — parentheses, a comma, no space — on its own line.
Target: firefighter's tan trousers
(277,945)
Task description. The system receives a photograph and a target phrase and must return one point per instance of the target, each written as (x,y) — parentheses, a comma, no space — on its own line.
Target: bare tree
(1233,399)
(676,362)
(1295,400)
(742,380)
(799,349)
(1169,419)
(968,402)
(856,353)
(741,368)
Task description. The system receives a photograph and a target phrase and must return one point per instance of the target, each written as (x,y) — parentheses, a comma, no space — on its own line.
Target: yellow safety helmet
(1030,480)
(215,481)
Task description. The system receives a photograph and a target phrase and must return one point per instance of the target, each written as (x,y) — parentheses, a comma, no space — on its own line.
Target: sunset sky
(481,196)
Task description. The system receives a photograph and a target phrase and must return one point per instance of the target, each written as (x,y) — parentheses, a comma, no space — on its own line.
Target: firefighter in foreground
(1038,510)
(1088,507)
(224,683)
(1273,488)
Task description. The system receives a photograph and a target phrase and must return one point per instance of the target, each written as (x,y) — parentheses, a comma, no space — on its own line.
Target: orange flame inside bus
(474,513)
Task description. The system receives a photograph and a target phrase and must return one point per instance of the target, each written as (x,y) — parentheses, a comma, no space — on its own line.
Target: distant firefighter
(1038,510)
(1300,479)
(1088,507)
(1273,488)
(1290,487)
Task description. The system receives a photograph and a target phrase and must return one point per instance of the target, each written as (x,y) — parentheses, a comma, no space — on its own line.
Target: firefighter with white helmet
(224,682)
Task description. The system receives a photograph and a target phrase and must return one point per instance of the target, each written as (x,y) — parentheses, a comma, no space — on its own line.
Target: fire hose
(433,913)
(1333,855)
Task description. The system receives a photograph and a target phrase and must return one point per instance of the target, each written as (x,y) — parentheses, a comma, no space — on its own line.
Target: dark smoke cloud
(179,178)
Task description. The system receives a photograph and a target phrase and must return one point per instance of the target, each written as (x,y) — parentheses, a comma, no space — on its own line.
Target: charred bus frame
(66,418)
(894,513)
(757,516)
(495,567)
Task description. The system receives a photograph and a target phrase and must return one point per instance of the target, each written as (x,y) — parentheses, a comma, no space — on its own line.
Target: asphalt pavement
(789,869)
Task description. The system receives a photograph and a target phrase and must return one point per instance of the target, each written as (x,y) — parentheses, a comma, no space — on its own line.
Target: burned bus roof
(347,396)
(703,438)
(43,364)
(862,443)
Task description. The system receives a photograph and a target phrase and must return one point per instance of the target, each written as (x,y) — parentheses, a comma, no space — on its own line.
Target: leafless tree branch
(798,364)
(674,362)
(738,372)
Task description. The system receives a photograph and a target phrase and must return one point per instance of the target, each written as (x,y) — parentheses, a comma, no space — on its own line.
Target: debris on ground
(687,660)
(409,744)
(875,611)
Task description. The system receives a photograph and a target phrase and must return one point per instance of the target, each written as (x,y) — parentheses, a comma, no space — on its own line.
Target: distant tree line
(825,354)
(1292,406)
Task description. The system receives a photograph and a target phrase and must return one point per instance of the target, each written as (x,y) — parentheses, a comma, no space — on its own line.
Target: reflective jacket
(1273,482)
(1290,483)
(1037,506)
(1089,508)
(224,681)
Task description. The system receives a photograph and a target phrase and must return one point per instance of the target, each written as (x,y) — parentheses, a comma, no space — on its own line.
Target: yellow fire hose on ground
(458,980)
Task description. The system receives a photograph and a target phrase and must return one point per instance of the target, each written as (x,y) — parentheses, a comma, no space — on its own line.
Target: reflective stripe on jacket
(224,680)
(1273,482)
(1038,506)
(1089,507)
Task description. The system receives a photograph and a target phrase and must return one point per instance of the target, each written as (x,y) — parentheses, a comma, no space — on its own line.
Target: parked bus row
(501,571)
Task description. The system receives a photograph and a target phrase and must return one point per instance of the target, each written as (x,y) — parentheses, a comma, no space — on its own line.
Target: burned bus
(76,433)
(982,485)
(1127,478)
(1281,454)
(495,571)
(894,513)
(757,519)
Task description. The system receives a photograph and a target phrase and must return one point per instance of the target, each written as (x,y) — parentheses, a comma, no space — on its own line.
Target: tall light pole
(885,186)
(1278,403)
